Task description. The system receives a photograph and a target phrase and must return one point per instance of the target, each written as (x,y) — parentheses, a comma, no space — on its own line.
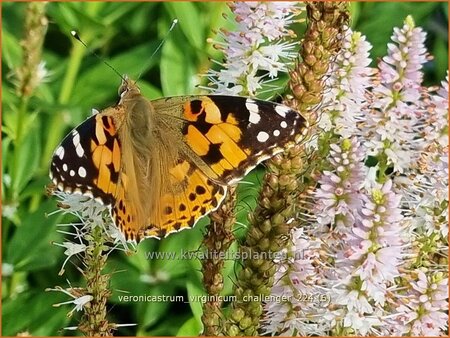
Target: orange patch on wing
(100,130)
(221,166)
(96,154)
(213,115)
(184,208)
(225,164)
(124,213)
(179,172)
(232,131)
(104,178)
(116,155)
(197,141)
(216,135)
(232,153)
(228,147)
(101,158)
(111,129)
(188,114)
(247,151)
(232,120)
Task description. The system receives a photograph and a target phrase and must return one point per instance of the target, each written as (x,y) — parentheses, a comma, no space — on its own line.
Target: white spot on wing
(76,138)
(60,152)
(65,167)
(252,107)
(282,110)
(94,111)
(72,173)
(262,136)
(276,132)
(283,124)
(76,142)
(82,172)
(80,151)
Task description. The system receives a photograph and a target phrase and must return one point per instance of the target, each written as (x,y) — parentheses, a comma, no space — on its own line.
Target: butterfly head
(128,87)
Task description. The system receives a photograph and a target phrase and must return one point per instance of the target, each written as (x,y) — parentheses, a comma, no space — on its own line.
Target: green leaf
(378,28)
(229,270)
(35,188)
(151,312)
(6,154)
(248,193)
(33,312)
(128,281)
(9,121)
(11,51)
(99,84)
(196,294)
(190,328)
(79,16)
(27,155)
(188,20)
(114,12)
(174,248)
(441,58)
(30,247)
(177,72)
(149,91)
(144,14)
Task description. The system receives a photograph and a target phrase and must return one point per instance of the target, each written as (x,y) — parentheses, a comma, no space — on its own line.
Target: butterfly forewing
(88,160)
(230,135)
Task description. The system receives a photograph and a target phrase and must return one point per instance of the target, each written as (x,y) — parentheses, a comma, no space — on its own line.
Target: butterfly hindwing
(192,195)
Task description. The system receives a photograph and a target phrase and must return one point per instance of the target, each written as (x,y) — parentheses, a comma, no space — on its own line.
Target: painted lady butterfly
(161,165)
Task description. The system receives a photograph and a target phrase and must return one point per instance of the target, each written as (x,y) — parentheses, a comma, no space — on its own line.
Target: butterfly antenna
(76,36)
(174,23)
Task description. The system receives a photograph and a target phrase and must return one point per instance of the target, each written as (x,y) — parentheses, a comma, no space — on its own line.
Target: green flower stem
(93,321)
(217,241)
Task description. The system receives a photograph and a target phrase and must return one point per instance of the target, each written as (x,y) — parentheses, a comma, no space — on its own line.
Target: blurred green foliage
(126,35)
